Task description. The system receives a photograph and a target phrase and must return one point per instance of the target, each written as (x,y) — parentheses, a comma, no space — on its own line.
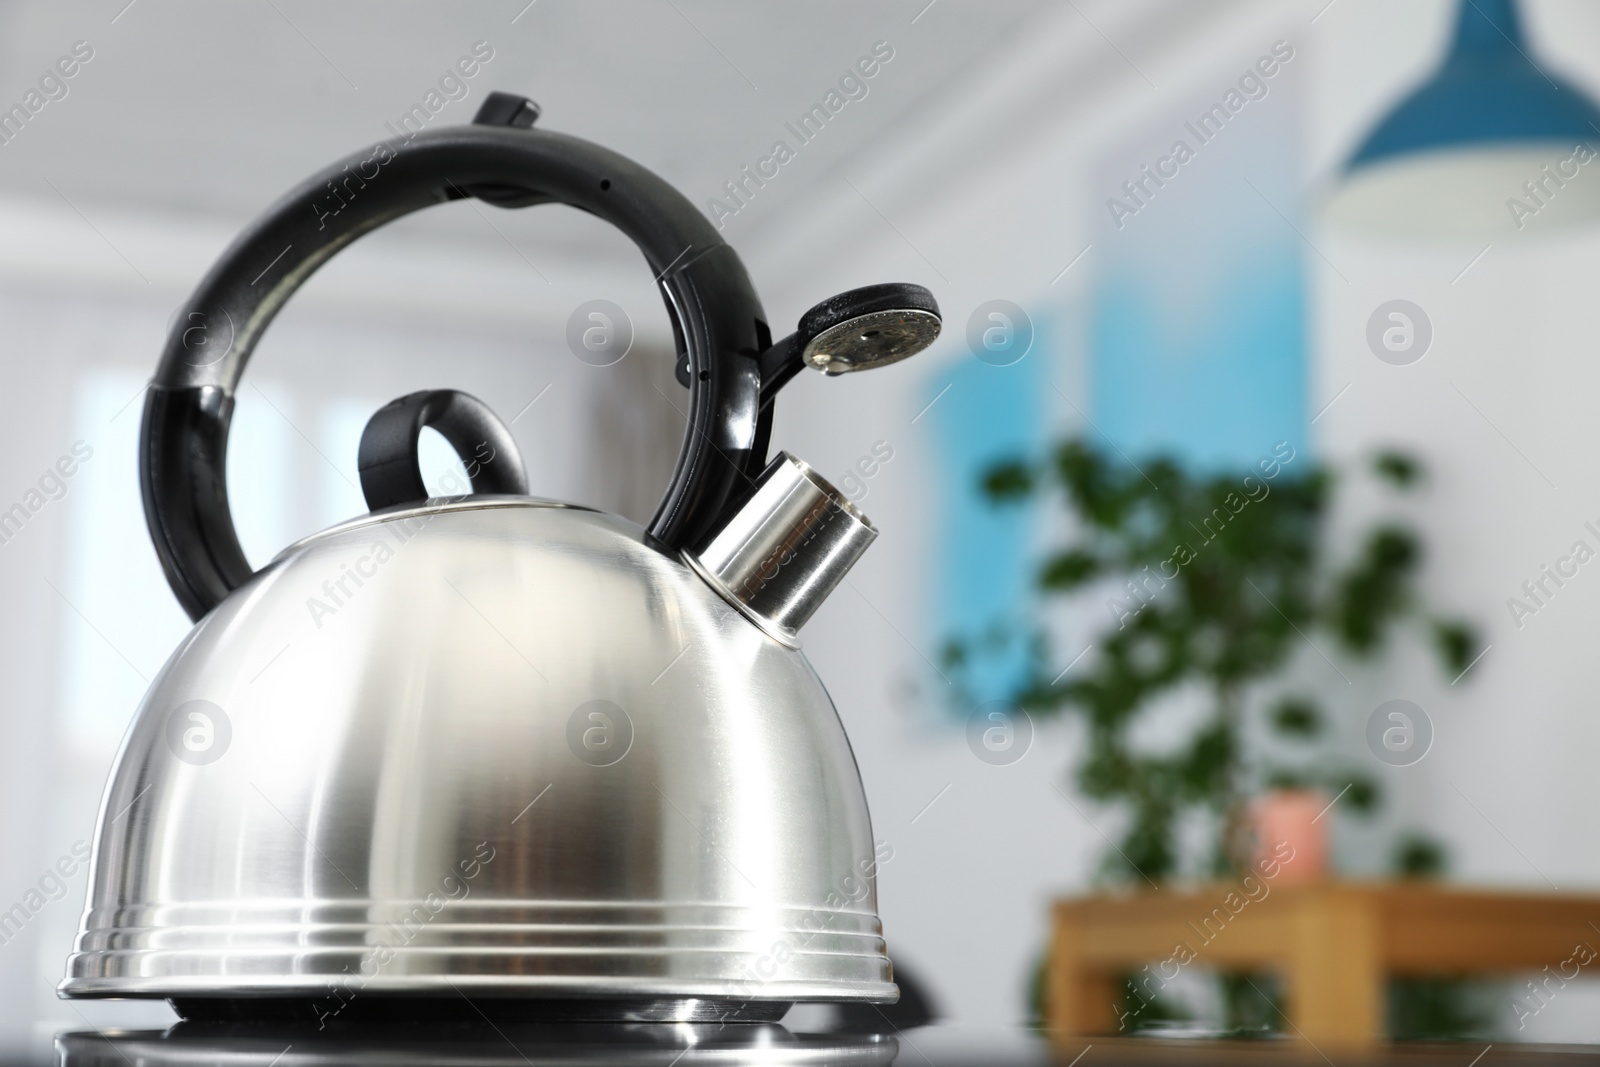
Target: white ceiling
(202,108)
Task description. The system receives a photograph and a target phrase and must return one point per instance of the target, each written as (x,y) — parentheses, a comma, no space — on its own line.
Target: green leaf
(1009,481)
(1103,495)
(1068,570)
(1393,550)
(1363,795)
(1297,717)
(1456,642)
(1149,847)
(1419,856)
(1376,589)
(1399,469)
(1205,768)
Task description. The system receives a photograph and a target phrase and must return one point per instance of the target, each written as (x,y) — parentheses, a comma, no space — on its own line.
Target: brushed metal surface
(491,745)
(779,556)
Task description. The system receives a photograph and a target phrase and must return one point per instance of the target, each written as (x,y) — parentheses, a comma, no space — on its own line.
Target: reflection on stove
(633,1045)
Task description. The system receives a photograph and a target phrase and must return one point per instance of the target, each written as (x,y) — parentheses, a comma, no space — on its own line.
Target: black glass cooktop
(420,1041)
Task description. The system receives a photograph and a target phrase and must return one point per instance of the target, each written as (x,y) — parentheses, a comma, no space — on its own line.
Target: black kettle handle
(715,315)
(390,472)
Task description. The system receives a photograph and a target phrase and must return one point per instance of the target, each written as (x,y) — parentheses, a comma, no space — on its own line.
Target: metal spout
(780,555)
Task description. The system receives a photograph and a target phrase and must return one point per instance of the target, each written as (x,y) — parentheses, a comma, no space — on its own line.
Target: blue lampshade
(1490,147)
(1488,90)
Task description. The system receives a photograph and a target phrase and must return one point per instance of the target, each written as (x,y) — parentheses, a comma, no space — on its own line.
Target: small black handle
(391,473)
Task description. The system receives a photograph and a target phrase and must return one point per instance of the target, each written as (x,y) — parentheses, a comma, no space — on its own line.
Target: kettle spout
(779,555)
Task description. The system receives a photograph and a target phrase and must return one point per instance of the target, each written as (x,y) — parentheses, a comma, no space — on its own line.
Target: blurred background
(1215,305)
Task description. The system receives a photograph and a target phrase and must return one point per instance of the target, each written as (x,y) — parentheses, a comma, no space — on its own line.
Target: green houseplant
(1211,585)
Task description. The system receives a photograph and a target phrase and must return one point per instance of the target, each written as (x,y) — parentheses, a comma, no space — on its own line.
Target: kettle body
(615,787)
(493,747)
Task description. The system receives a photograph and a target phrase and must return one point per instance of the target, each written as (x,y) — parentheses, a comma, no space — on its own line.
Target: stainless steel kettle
(491,747)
